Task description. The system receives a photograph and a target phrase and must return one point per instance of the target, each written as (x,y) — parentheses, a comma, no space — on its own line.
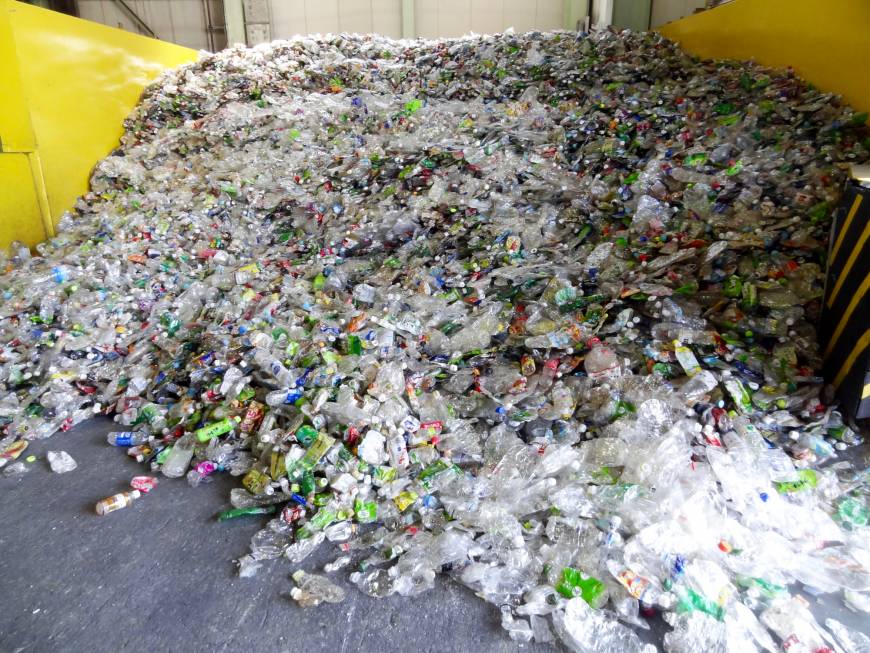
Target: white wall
(601,14)
(664,11)
(432,18)
(183,21)
(178,21)
(457,17)
(291,17)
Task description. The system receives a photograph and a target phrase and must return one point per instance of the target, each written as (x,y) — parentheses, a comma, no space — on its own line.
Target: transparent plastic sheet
(532,311)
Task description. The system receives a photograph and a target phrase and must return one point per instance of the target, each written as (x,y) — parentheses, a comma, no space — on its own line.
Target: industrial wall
(336,16)
(199,24)
(178,21)
(664,11)
(422,18)
(431,18)
(186,22)
(458,17)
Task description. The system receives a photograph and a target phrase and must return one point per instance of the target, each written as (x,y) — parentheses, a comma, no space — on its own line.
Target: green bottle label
(806,479)
(163,455)
(690,601)
(575,583)
(305,435)
(733,287)
(428,475)
(256,481)
(852,513)
(146,414)
(321,520)
(384,474)
(318,449)
(307,483)
(365,511)
(213,430)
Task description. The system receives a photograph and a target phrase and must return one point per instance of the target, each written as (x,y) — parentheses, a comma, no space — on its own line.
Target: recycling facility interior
(75,69)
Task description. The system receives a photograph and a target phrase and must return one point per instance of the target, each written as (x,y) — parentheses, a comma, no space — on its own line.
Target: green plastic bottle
(244,512)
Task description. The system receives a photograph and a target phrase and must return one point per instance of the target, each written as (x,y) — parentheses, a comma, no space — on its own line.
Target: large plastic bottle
(178,460)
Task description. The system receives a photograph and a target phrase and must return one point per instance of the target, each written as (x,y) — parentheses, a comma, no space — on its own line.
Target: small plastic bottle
(126,438)
(116,502)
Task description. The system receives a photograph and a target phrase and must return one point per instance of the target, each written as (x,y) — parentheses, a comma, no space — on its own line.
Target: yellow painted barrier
(67,86)
(827,43)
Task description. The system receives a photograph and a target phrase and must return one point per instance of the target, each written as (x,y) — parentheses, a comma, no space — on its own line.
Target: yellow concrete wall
(827,43)
(67,86)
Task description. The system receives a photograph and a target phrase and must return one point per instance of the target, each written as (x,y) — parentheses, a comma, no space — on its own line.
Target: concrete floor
(159,576)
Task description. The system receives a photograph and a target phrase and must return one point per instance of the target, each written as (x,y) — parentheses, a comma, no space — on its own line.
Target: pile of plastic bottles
(533,311)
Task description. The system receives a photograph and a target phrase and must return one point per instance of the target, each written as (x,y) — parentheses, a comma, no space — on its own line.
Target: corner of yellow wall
(69,85)
(826,43)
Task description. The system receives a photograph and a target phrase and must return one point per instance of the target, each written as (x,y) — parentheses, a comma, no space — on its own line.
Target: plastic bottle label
(212,431)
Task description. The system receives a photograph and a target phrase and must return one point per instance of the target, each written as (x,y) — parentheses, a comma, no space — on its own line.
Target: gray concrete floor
(159,576)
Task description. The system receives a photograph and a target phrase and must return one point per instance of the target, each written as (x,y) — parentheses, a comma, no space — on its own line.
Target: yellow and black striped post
(844,332)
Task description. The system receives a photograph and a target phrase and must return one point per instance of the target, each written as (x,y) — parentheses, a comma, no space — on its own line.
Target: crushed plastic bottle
(531,311)
(15,469)
(851,640)
(312,590)
(61,462)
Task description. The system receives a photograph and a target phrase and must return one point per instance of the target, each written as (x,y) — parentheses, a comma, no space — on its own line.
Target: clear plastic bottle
(311,590)
(698,386)
(340,532)
(178,460)
(284,396)
(852,641)
(339,563)
(601,361)
(793,623)
(61,462)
